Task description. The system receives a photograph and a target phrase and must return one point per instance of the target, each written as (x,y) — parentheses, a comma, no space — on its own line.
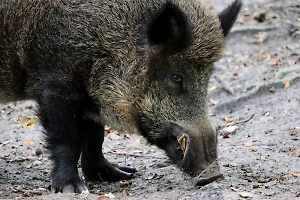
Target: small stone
(249,174)
(245,195)
(230,129)
(266,113)
(37,163)
(234,189)
(38,151)
(272,89)
(254,149)
(28,166)
(110,195)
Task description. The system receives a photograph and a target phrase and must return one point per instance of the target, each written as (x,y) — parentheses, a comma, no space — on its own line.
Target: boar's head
(162,91)
(185,45)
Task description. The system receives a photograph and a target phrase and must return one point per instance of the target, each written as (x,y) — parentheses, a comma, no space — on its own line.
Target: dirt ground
(254,101)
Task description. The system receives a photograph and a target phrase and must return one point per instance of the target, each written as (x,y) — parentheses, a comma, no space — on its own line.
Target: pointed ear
(168,28)
(229,15)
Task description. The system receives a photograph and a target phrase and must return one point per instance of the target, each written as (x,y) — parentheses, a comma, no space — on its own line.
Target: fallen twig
(235,123)
(241,121)
(253,28)
(34,191)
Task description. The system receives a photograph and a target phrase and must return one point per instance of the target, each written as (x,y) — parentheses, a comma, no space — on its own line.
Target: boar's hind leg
(94,165)
(59,117)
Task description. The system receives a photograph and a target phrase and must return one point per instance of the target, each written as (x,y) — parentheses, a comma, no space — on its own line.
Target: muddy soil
(254,100)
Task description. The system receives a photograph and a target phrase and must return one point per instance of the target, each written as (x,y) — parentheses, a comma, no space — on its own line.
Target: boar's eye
(176,78)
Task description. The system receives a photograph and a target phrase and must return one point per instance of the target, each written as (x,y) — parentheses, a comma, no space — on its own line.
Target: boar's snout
(198,149)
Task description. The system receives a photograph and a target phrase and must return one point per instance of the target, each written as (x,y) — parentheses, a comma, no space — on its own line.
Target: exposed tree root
(291,74)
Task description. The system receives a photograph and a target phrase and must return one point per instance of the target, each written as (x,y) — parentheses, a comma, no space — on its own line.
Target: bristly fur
(90,63)
(122,87)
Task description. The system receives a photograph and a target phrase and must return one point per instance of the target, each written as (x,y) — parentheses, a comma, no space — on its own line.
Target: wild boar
(140,66)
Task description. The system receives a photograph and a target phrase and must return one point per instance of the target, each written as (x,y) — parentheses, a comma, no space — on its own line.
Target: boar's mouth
(206,174)
(194,152)
(197,160)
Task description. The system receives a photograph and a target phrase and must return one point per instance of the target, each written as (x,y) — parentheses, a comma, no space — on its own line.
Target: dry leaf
(274,62)
(151,176)
(29,142)
(31,123)
(248,144)
(228,120)
(126,192)
(110,195)
(261,56)
(212,88)
(287,84)
(282,178)
(296,174)
(21,119)
(109,129)
(113,135)
(135,143)
(261,37)
(296,153)
(102,197)
(120,151)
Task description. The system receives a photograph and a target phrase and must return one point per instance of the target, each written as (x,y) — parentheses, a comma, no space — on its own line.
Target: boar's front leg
(94,165)
(59,112)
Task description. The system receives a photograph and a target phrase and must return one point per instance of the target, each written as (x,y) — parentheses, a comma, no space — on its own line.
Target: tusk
(182,140)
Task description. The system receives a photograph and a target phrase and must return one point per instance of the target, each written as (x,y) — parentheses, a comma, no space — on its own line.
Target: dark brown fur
(91,63)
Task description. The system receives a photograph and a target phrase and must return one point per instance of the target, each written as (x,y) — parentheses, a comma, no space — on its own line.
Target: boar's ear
(229,15)
(168,28)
